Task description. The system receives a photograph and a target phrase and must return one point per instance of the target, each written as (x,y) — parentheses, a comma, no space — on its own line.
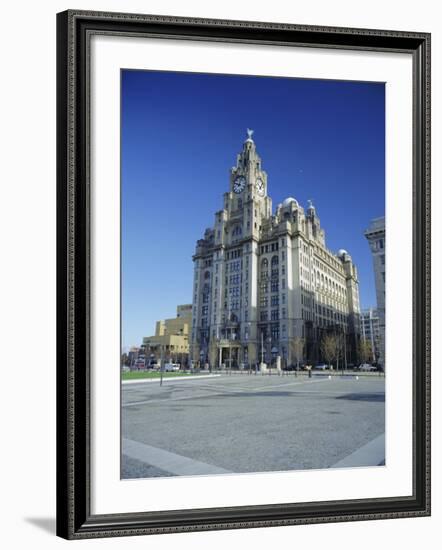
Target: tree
(365,351)
(340,345)
(297,345)
(330,347)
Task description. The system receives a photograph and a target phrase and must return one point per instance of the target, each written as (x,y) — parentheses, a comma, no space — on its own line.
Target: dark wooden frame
(74,519)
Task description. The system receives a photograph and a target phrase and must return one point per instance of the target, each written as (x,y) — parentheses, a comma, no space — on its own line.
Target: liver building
(265,285)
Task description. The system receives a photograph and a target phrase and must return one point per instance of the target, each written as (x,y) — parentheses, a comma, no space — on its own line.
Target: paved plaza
(251,423)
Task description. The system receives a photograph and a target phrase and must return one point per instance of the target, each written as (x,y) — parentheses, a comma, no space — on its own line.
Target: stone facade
(375,234)
(262,280)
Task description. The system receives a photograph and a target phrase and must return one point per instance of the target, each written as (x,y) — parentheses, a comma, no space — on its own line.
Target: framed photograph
(243,274)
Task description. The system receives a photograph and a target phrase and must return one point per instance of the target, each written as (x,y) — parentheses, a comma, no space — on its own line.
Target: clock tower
(248,190)
(248,177)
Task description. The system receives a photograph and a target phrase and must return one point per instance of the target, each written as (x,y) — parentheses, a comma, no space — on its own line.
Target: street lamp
(262,346)
(269,348)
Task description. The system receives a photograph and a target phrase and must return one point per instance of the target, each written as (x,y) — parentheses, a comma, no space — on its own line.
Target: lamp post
(345,349)
(269,348)
(161,364)
(262,346)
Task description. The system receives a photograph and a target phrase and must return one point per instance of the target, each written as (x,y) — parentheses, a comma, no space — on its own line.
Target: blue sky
(181,132)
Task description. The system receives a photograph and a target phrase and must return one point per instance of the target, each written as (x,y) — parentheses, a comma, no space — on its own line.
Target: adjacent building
(370,331)
(375,234)
(264,279)
(171,339)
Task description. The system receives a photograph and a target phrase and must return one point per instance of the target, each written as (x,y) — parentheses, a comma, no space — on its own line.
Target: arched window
(264,263)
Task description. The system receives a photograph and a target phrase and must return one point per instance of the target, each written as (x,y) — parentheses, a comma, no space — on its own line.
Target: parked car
(295,366)
(139,364)
(125,368)
(323,366)
(365,367)
(171,367)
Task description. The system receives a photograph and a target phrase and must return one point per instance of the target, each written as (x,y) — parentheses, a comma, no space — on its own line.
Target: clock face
(239,184)
(260,187)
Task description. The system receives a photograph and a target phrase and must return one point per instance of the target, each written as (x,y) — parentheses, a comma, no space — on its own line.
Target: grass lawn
(137,375)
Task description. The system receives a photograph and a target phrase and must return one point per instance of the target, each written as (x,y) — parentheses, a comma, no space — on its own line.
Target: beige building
(263,279)
(171,339)
(375,234)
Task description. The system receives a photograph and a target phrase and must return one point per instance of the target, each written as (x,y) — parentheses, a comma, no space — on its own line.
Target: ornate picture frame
(75,519)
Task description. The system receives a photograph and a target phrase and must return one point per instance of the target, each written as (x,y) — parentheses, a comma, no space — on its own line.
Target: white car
(171,367)
(365,367)
(321,367)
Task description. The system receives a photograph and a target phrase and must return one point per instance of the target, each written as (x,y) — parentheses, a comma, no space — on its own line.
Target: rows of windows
(330,272)
(271,247)
(324,283)
(232,254)
(233,266)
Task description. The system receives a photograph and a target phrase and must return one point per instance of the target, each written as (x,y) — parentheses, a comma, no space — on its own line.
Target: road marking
(170,462)
(186,397)
(371,454)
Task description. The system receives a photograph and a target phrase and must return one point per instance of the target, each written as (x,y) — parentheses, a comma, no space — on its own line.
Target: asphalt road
(251,424)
